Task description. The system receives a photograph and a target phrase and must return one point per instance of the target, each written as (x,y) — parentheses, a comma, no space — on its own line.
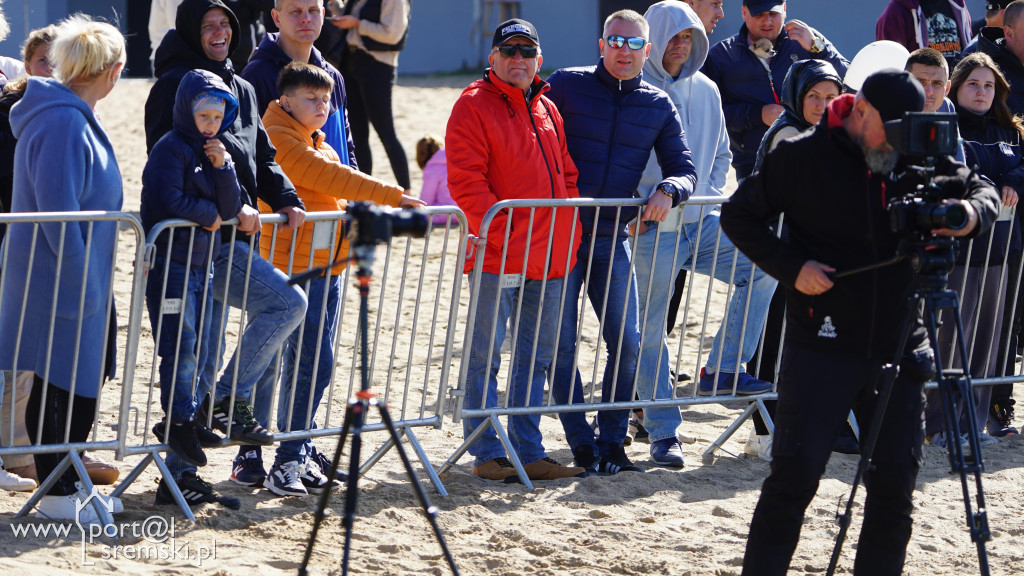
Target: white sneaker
(286,479)
(759,445)
(114,503)
(66,508)
(14,483)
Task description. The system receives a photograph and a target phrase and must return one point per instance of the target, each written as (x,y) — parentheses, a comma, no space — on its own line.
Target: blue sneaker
(667,452)
(247,469)
(746,386)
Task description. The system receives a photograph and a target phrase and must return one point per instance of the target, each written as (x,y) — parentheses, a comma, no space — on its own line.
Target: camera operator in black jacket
(834,184)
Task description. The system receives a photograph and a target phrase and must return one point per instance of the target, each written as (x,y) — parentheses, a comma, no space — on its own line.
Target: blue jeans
(314,368)
(655,379)
(273,311)
(495,305)
(615,301)
(181,351)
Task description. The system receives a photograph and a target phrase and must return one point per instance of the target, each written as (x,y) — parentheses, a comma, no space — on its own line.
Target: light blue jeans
(495,305)
(655,289)
(273,311)
(314,372)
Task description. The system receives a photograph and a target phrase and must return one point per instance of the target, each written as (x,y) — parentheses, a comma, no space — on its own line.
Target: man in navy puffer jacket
(613,119)
(751,80)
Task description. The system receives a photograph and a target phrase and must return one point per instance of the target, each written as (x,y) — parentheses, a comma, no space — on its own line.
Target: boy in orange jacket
(324,183)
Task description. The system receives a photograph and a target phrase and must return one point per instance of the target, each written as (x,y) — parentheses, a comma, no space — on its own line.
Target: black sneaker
(247,469)
(183,440)
(585,457)
(244,427)
(313,480)
(616,461)
(325,465)
(207,438)
(196,491)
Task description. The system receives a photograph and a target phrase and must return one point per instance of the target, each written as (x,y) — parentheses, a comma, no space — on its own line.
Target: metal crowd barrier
(690,349)
(416,290)
(56,232)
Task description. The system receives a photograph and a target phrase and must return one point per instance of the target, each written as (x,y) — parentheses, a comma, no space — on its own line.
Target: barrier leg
(44,487)
(134,474)
(173,487)
(454,458)
(379,453)
(415,443)
(709,455)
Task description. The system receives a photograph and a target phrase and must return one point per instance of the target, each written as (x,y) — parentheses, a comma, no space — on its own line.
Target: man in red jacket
(505,140)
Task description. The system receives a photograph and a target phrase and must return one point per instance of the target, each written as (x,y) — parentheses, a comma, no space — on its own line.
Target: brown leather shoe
(548,469)
(99,471)
(497,469)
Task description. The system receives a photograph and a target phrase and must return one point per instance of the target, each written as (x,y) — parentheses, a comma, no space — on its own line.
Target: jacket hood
(194,83)
(174,53)
(668,18)
(45,94)
(190,15)
(802,76)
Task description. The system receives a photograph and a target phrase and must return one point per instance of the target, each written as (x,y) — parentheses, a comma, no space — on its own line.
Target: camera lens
(953,217)
(409,223)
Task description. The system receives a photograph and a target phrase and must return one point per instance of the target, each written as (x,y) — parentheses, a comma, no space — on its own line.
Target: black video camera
(370,225)
(921,138)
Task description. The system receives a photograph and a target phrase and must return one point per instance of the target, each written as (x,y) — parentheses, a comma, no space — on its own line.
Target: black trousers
(818,392)
(55,421)
(369,83)
(770,347)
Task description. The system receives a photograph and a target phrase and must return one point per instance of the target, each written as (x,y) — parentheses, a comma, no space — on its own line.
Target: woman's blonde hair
(37,38)
(84,49)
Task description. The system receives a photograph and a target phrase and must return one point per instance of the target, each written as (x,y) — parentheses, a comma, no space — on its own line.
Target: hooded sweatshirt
(179,181)
(64,163)
(903,22)
(262,72)
(699,104)
(181,51)
(802,76)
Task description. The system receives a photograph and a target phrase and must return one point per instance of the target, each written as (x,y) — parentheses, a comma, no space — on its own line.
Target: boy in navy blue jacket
(189,175)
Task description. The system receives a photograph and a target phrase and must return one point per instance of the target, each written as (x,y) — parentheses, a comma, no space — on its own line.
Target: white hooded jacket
(699,104)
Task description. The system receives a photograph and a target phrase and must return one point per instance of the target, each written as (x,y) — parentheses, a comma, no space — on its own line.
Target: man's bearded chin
(880,159)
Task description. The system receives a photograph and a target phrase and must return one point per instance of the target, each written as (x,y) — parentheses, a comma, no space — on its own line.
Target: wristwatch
(818,45)
(669,190)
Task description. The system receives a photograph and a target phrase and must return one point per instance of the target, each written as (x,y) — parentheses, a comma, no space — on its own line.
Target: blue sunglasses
(634,43)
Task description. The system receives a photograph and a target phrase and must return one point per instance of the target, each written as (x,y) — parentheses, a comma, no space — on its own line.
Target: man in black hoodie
(205,34)
(841,331)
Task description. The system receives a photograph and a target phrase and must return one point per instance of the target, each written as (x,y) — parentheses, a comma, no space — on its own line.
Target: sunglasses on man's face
(509,50)
(634,43)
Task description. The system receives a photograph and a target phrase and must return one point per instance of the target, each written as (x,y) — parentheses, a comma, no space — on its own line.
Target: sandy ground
(692,521)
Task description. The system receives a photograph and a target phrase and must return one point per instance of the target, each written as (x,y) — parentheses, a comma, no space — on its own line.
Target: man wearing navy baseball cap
(750,67)
(833,183)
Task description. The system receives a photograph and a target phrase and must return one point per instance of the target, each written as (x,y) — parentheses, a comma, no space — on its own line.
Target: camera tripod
(931,259)
(369,227)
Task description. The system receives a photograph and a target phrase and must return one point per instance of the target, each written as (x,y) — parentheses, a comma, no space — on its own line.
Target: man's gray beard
(880,160)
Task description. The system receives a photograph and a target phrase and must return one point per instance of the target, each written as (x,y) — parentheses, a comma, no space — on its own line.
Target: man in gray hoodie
(687,239)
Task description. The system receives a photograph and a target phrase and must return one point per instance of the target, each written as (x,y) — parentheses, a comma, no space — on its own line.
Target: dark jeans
(818,389)
(770,346)
(55,421)
(369,83)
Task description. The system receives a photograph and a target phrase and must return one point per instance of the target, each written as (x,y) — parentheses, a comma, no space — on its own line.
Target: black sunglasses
(509,50)
(634,43)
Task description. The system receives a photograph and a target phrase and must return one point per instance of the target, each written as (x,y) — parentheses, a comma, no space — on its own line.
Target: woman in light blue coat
(64,162)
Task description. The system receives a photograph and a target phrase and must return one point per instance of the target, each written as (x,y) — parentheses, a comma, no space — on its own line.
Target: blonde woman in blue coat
(64,162)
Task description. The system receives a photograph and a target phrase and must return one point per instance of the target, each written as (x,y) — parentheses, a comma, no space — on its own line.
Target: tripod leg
(429,510)
(951,386)
(325,496)
(358,411)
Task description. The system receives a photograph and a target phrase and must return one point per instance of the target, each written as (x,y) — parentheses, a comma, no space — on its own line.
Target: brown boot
(99,471)
(548,469)
(497,469)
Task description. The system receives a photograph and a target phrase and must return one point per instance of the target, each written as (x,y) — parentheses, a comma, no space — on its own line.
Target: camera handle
(933,291)
(355,413)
